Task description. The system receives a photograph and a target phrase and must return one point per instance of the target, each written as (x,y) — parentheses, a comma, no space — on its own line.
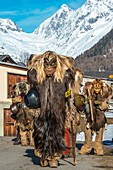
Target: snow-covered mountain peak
(96,10)
(54,23)
(108,3)
(67,27)
(7,24)
(68,32)
(65,7)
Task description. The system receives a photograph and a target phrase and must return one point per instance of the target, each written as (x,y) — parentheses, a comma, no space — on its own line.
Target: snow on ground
(108,133)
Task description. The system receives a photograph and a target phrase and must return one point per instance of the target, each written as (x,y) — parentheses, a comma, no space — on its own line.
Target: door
(13,79)
(9,129)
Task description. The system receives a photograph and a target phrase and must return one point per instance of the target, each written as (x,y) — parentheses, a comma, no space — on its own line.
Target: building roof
(5,64)
(103,74)
(7,58)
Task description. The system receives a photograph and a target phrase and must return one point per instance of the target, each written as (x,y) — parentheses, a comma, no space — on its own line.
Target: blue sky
(29,14)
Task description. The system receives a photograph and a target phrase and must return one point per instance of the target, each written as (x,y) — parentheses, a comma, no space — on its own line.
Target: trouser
(27,138)
(98,147)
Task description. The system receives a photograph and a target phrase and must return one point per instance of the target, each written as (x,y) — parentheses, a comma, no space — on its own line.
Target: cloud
(28,12)
(5,13)
(38,11)
(29,19)
(35,17)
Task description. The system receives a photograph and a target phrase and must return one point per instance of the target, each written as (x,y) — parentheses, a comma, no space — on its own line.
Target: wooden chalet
(10,73)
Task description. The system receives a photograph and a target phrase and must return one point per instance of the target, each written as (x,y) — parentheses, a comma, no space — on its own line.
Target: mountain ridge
(67,32)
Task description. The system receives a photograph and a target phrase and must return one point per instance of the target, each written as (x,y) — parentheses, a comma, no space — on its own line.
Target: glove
(104,106)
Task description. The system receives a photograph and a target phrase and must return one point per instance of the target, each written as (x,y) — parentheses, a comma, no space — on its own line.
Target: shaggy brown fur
(25,119)
(49,127)
(99,117)
(104,95)
(23,116)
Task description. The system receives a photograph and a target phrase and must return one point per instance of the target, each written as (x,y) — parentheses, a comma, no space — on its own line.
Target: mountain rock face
(68,32)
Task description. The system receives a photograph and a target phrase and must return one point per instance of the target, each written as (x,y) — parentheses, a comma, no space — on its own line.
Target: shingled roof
(7,58)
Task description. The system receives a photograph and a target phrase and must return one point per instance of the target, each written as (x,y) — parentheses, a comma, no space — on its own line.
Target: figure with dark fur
(47,73)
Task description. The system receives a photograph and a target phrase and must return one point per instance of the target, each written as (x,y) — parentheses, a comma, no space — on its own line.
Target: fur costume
(100,93)
(48,73)
(23,116)
(25,122)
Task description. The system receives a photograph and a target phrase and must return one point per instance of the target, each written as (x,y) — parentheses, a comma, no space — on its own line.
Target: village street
(16,157)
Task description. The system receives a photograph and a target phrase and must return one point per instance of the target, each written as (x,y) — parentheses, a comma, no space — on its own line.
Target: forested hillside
(99,57)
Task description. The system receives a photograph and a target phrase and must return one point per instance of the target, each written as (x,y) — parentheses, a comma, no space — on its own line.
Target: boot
(43,163)
(18,139)
(37,153)
(98,147)
(53,163)
(53,160)
(87,147)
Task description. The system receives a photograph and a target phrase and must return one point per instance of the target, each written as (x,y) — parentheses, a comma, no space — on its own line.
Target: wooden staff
(73,143)
(90,104)
(72,124)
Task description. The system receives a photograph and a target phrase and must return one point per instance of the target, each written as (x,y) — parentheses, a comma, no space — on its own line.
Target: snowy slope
(69,32)
(72,32)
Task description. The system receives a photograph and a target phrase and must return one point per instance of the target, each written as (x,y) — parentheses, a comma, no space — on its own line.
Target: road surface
(17,157)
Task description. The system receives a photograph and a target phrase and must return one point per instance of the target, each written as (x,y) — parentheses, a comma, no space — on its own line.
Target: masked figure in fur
(98,93)
(23,116)
(48,74)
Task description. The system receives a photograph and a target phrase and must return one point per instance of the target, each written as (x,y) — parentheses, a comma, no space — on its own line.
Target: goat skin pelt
(49,127)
